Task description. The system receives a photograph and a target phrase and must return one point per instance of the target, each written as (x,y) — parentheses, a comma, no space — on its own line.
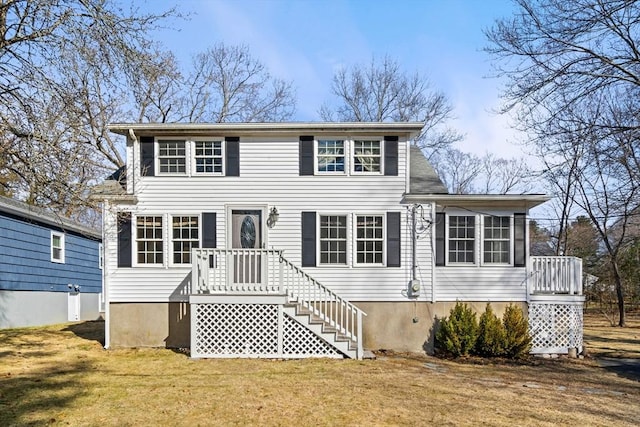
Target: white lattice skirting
(225,330)
(555,327)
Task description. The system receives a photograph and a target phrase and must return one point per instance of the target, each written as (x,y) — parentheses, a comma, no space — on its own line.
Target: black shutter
(393,239)
(306,155)
(233,155)
(440,239)
(147,148)
(308,239)
(391,155)
(209,237)
(124,239)
(520,241)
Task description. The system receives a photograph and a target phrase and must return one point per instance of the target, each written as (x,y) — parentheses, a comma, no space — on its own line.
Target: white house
(311,239)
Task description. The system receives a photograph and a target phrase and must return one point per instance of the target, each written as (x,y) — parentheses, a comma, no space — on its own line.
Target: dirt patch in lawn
(61,375)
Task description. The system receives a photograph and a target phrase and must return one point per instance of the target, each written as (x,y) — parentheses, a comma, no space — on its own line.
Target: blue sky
(305,41)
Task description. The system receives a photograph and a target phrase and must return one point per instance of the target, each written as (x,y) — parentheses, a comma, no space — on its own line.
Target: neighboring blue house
(50,267)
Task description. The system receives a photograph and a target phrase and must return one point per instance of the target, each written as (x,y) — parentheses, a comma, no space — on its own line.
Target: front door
(246,234)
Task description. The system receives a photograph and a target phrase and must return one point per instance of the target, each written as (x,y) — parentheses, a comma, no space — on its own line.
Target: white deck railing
(260,271)
(556,275)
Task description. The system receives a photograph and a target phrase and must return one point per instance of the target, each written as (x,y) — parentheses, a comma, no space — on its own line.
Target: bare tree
(64,74)
(467,173)
(226,84)
(573,82)
(382,92)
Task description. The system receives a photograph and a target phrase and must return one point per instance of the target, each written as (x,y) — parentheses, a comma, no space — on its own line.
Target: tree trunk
(619,293)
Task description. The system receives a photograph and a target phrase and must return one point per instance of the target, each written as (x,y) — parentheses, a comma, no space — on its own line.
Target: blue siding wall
(25,259)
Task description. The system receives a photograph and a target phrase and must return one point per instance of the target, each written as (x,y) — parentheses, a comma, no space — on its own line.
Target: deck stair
(323,329)
(256,303)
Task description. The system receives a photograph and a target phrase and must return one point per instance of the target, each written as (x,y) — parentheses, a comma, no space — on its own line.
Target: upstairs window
(497,235)
(149,239)
(184,237)
(208,157)
(57,247)
(369,239)
(367,156)
(462,231)
(330,156)
(172,156)
(333,239)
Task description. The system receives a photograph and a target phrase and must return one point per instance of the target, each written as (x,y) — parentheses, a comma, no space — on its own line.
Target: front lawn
(60,375)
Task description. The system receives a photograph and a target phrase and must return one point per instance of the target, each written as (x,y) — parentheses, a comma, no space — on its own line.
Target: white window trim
(61,259)
(354,239)
(165,248)
(345,142)
(352,162)
(349,246)
(476,251)
(511,241)
(192,143)
(169,238)
(187,156)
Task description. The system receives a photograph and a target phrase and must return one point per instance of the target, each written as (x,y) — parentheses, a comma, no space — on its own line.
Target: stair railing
(229,271)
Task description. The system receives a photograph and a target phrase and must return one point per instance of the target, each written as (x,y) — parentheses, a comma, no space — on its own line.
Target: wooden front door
(247,234)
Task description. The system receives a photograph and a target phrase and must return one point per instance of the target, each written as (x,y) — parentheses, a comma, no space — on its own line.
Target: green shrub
(516,327)
(458,333)
(491,335)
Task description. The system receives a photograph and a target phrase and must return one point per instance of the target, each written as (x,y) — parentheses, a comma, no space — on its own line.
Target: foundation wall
(399,326)
(409,326)
(149,325)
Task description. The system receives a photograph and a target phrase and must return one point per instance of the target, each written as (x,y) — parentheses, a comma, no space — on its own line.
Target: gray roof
(423,177)
(35,213)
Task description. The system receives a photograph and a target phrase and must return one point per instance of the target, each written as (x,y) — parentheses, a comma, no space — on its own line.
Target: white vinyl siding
(270,176)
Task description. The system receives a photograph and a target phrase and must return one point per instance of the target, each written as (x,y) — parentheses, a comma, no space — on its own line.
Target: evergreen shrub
(458,332)
(491,335)
(517,337)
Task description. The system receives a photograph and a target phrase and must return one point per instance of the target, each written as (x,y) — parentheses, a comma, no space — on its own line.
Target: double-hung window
(149,239)
(462,231)
(184,237)
(497,235)
(333,239)
(57,247)
(172,156)
(367,156)
(208,157)
(369,239)
(331,156)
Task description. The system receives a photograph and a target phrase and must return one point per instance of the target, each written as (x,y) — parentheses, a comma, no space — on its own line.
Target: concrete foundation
(149,325)
(399,326)
(410,326)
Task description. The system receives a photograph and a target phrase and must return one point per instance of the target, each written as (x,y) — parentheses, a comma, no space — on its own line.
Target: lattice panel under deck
(236,329)
(555,327)
(252,330)
(300,341)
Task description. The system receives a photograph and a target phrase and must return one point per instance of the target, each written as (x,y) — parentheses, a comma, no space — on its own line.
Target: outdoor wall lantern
(273,217)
